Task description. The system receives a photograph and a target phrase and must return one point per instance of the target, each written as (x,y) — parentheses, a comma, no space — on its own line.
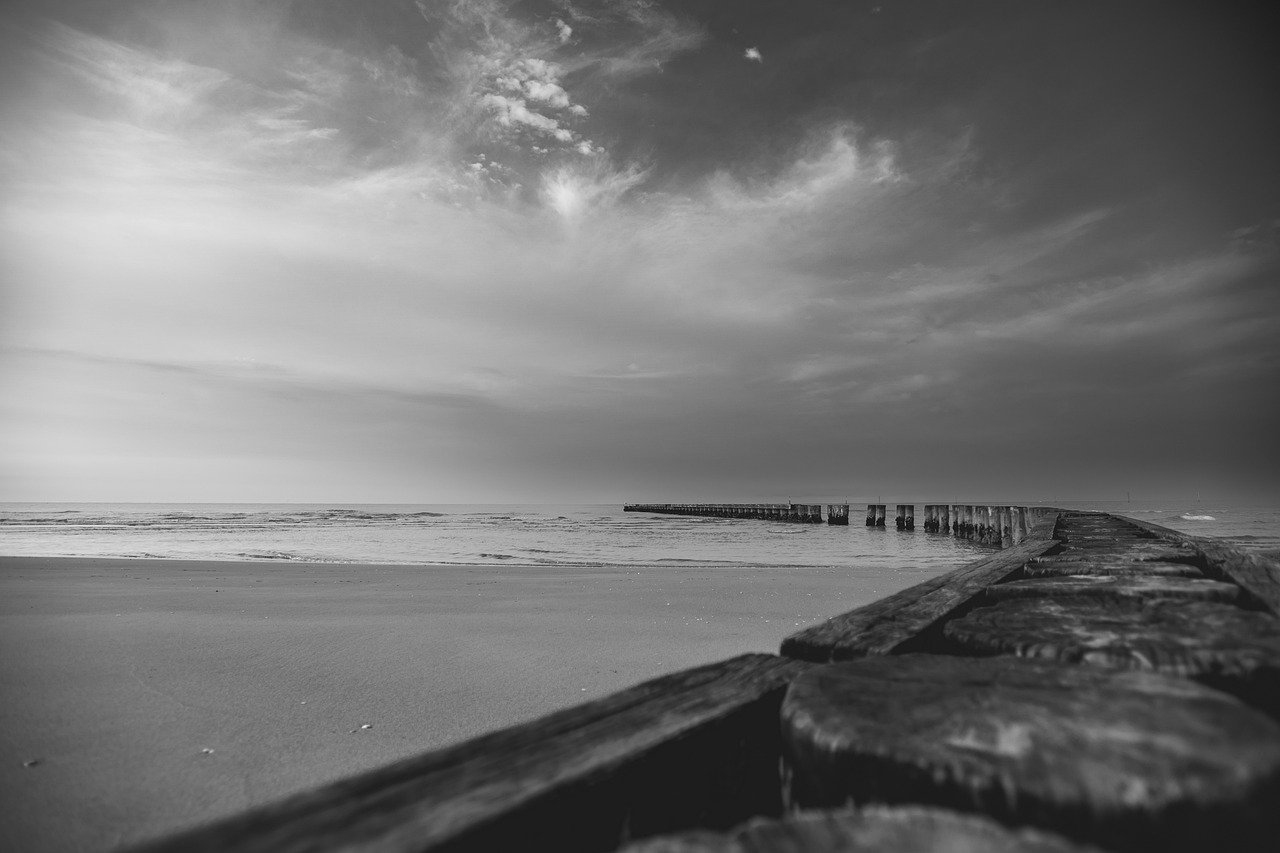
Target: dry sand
(155,694)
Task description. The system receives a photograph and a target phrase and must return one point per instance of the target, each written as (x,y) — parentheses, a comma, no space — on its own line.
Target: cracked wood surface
(1224,645)
(875,829)
(1126,760)
(1115,587)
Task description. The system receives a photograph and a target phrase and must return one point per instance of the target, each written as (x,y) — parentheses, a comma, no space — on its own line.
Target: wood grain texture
(882,626)
(1115,587)
(1224,645)
(875,829)
(1053,567)
(1160,552)
(1258,574)
(696,748)
(1125,760)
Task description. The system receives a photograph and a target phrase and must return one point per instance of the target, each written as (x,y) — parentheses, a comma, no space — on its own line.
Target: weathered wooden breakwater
(1001,526)
(801,513)
(1102,684)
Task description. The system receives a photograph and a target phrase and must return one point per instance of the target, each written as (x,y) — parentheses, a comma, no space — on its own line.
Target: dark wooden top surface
(874,829)
(1116,588)
(1130,760)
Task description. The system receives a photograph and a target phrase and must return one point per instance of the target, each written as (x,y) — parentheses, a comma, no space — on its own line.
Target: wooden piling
(909,516)
(880,515)
(799,513)
(962,733)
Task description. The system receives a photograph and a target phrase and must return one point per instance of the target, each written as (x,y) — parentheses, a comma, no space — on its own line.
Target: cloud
(445,260)
(753,54)
(563,31)
(574,190)
(641,35)
(512,112)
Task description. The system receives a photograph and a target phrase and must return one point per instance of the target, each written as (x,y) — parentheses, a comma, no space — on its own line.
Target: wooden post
(946,518)
(900,517)
(880,514)
(871,515)
(909,515)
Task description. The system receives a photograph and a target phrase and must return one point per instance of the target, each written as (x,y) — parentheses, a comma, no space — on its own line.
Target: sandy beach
(153,694)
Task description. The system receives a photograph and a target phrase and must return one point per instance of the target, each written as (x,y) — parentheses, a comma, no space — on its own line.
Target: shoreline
(120,672)
(1006,687)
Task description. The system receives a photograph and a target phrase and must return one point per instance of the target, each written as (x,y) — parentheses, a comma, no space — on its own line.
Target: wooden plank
(1133,568)
(882,626)
(1223,645)
(1159,552)
(1116,587)
(1126,760)
(696,748)
(873,829)
(1082,543)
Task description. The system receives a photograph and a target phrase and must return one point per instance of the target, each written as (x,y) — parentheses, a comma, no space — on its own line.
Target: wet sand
(156,694)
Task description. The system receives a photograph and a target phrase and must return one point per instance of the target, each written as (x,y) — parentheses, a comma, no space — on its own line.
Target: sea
(532,535)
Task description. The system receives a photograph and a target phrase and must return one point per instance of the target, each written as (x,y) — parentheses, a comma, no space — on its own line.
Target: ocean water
(526,535)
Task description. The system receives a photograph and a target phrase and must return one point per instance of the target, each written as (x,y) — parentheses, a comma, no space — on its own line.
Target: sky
(628,250)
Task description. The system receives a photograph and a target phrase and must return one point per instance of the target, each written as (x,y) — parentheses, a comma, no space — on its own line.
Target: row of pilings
(800,513)
(985,524)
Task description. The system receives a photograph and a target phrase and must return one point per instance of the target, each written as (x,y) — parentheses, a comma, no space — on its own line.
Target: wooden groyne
(1101,684)
(801,513)
(998,526)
